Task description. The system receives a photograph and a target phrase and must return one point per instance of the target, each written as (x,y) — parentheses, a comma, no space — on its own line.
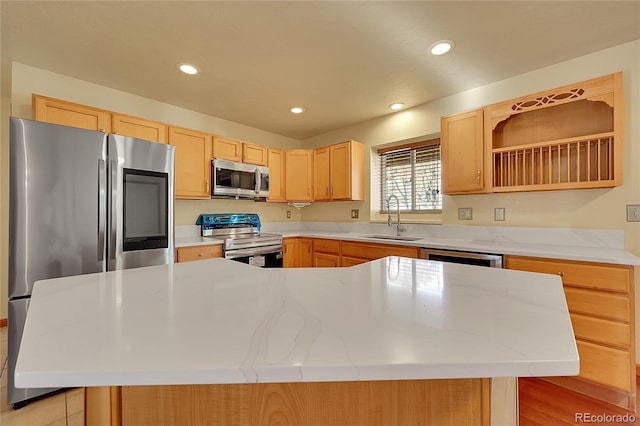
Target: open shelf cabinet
(566,138)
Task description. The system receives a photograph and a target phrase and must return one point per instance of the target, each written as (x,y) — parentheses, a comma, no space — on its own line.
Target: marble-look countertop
(218,321)
(537,249)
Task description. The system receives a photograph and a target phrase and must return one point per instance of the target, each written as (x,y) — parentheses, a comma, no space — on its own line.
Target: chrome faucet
(399,227)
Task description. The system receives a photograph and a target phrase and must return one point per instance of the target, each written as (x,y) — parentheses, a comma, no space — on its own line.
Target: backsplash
(595,238)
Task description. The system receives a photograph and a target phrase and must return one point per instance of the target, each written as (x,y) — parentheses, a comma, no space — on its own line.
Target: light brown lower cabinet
(459,402)
(297,252)
(600,298)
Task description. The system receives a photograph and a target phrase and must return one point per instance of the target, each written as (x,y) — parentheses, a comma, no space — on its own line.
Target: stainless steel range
(243,241)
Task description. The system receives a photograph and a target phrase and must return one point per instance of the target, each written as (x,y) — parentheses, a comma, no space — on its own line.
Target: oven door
(264,257)
(230,178)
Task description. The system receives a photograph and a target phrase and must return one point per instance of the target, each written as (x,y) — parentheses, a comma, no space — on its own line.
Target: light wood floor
(541,404)
(62,409)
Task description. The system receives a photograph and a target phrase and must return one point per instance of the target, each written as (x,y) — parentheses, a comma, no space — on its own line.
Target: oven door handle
(252,252)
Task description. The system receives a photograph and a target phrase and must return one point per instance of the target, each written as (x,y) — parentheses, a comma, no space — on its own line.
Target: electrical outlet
(288,214)
(498,214)
(633,212)
(465,213)
(355,213)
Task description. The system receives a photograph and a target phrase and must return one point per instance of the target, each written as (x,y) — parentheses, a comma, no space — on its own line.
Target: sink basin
(394,237)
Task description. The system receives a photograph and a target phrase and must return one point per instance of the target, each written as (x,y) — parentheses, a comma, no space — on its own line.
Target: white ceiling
(344,62)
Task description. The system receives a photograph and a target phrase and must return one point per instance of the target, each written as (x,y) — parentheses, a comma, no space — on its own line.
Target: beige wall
(600,208)
(596,208)
(27,80)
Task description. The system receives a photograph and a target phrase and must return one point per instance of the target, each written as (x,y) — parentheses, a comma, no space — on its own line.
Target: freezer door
(17,317)
(57,203)
(141,187)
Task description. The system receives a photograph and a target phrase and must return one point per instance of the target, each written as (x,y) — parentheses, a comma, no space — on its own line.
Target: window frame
(412,148)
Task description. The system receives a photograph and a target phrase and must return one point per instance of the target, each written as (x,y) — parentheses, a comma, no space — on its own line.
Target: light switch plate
(465,213)
(498,214)
(355,213)
(633,212)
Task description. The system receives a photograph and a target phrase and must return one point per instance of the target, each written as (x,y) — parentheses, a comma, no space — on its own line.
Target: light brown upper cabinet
(140,128)
(570,137)
(338,172)
(462,151)
(299,174)
(66,113)
(227,149)
(276,175)
(254,154)
(193,162)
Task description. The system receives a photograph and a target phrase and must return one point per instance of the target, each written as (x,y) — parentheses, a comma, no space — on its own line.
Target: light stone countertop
(552,251)
(219,321)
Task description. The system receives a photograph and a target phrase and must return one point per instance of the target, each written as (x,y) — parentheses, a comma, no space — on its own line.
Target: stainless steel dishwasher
(465,257)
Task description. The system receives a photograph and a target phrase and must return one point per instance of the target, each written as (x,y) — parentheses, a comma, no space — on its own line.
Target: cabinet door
(325,260)
(321,173)
(291,248)
(298,174)
(305,252)
(140,128)
(55,111)
(193,162)
(254,154)
(227,149)
(347,171)
(276,175)
(462,150)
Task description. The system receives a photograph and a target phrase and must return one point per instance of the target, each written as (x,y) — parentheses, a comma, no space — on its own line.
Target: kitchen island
(392,341)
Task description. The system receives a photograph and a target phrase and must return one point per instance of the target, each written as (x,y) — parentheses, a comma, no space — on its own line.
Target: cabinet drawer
(605,365)
(351,261)
(376,251)
(598,303)
(187,254)
(326,246)
(598,276)
(601,330)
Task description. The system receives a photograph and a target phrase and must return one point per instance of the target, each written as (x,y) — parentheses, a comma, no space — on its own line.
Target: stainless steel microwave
(233,179)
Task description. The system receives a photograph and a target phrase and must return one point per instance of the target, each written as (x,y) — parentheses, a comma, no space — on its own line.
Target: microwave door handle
(258,177)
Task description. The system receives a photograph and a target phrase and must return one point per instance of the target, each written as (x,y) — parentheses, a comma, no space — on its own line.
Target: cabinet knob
(560,273)
(200,254)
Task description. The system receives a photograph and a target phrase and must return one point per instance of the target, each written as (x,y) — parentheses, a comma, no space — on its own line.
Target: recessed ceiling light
(296,110)
(396,106)
(188,69)
(441,47)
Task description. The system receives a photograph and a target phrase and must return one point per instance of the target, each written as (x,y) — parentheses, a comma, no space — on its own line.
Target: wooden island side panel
(459,402)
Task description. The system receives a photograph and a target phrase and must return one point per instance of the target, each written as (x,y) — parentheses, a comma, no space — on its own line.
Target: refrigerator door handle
(114,208)
(102,207)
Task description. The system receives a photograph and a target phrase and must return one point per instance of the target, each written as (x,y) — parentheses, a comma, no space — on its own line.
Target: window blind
(413,175)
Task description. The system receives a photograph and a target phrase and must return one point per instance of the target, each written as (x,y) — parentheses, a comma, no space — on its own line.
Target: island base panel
(458,402)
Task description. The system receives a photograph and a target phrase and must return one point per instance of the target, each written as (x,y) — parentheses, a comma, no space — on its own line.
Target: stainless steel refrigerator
(81,202)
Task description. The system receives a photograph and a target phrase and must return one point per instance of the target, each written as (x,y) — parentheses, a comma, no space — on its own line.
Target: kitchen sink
(394,237)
